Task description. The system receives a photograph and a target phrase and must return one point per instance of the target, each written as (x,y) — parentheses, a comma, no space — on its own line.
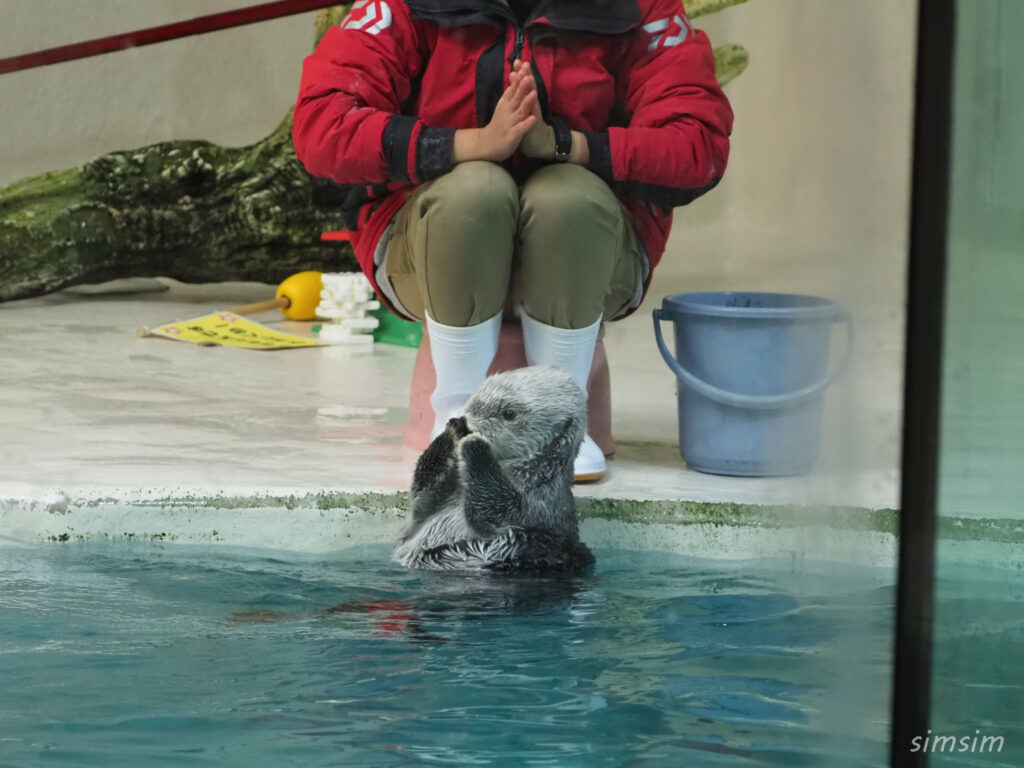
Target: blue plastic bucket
(751,369)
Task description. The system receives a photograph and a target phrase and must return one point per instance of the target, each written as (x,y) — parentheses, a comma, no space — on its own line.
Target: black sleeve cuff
(397,134)
(600,161)
(434,152)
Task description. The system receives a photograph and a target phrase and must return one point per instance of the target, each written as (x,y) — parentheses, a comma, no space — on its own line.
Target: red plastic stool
(510,355)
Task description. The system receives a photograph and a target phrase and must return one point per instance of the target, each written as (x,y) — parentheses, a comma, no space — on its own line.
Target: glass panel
(978,682)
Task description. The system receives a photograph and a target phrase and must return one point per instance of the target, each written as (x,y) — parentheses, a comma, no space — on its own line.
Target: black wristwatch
(563,141)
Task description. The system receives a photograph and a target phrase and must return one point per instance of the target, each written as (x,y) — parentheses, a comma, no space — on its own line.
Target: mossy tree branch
(190,210)
(730,61)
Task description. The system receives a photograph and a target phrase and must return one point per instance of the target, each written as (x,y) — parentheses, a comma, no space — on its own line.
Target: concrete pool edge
(335,519)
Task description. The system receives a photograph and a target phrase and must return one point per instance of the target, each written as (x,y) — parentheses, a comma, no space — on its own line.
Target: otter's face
(522,411)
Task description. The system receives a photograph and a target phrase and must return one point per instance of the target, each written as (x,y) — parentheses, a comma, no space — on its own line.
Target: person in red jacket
(512,158)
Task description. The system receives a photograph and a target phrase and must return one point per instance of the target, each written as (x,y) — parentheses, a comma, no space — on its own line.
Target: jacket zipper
(517,47)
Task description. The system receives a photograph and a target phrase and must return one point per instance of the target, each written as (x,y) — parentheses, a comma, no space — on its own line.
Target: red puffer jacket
(381,97)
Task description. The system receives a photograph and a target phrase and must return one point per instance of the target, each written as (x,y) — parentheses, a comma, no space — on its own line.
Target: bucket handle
(754,402)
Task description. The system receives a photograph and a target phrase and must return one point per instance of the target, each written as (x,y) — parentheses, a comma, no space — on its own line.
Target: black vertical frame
(926,290)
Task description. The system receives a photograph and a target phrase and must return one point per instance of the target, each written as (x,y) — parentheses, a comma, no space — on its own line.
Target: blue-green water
(148,654)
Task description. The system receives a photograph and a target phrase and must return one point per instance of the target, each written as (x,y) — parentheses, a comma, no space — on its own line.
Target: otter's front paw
(475,452)
(441,446)
(435,462)
(457,427)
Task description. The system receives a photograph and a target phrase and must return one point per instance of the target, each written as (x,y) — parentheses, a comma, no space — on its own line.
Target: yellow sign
(226,329)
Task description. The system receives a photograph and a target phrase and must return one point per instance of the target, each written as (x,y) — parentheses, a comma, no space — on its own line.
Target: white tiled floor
(86,406)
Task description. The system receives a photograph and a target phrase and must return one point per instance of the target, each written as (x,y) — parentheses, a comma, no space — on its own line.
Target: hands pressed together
(517,123)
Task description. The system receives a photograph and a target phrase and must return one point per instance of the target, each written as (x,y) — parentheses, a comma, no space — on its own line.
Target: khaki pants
(471,244)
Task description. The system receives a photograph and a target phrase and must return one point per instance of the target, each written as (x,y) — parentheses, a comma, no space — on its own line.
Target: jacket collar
(611,17)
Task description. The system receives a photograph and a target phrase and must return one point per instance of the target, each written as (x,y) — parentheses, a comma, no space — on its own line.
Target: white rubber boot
(461,358)
(572,350)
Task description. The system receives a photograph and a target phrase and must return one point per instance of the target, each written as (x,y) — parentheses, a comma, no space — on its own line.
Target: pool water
(149,654)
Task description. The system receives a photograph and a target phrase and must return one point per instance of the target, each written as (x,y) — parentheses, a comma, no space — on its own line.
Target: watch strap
(563,140)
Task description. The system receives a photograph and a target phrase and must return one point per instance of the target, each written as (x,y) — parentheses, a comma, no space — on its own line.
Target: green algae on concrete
(394,506)
(326,500)
(738,515)
(1003,531)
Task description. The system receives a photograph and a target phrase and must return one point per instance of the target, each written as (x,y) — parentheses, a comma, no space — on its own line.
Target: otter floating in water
(494,490)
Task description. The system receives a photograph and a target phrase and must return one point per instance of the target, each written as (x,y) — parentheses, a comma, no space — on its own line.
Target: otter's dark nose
(458,426)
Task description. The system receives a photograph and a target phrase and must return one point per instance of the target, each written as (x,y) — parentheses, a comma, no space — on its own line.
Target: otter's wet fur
(494,490)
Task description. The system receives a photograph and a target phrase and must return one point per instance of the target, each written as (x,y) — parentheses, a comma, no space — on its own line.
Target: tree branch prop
(190,210)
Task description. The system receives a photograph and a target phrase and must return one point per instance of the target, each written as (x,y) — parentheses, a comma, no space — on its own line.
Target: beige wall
(230,87)
(819,172)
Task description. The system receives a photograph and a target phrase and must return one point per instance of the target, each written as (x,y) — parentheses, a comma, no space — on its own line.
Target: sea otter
(493,491)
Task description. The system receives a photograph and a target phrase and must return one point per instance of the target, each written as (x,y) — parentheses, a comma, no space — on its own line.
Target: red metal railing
(196,26)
